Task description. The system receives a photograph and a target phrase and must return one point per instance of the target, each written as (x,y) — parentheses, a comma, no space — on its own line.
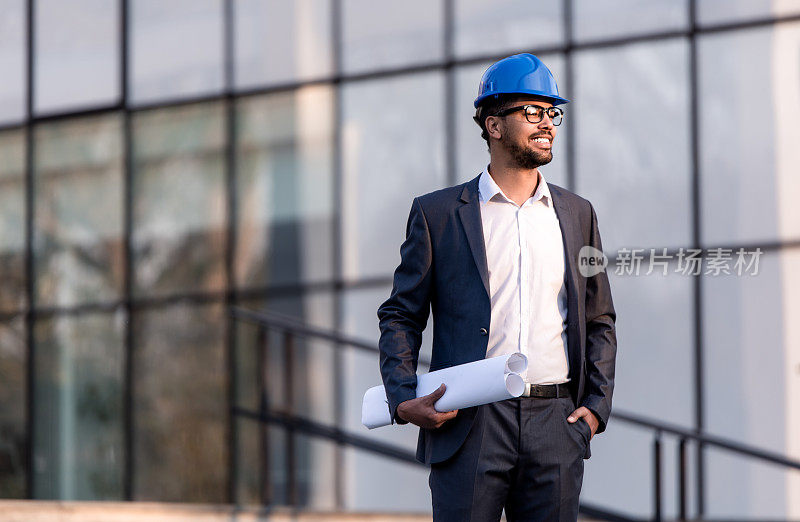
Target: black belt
(547,391)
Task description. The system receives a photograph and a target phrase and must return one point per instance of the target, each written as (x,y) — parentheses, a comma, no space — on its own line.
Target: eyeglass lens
(535,114)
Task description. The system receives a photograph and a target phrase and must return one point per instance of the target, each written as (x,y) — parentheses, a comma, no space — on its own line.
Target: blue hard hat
(519,74)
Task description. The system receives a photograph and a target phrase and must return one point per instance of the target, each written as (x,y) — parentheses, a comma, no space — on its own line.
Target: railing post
(262,372)
(701,507)
(682,480)
(291,462)
(657,476)
(233,419)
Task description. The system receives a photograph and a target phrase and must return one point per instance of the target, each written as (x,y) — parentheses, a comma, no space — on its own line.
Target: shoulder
(579,210)
(442,196)
(573,201)
(447,198)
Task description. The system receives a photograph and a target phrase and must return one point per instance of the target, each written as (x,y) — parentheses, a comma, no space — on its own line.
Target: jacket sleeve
(601,339)
(403,316)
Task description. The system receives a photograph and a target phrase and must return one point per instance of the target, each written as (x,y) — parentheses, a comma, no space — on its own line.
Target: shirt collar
(488,189)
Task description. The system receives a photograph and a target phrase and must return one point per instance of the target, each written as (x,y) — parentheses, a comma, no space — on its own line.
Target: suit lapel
(470,215)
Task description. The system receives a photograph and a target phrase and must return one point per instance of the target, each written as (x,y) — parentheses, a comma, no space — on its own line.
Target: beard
(528,158)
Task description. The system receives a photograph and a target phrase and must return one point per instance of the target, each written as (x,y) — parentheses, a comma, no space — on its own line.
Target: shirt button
(484,331)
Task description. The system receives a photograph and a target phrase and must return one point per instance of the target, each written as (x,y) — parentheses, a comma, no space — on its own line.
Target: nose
(546,121)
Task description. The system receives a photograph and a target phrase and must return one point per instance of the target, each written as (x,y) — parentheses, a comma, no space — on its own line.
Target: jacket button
(484,331)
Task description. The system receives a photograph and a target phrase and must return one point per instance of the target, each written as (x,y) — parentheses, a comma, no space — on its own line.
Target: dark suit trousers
(520,454)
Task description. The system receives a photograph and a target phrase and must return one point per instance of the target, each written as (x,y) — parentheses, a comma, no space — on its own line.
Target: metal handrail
(706,439)
(286,323)
(314,428)
(292,327)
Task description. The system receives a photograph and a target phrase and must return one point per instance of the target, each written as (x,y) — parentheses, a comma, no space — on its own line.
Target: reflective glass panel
(12,220)
(748,166)
(724,11)
(371,475)
(393,150)
(13,398)
(279,41)
(175,49)
(750,382)
(382,35)
(12,60)
(483,28)
(77,57)
(632,146)
(77,234)
(179,206)
(285,188)
(263,364)
(619,18)
(180,407)
(79,407)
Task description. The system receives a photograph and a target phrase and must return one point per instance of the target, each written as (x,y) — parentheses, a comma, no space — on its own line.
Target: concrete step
(97,511)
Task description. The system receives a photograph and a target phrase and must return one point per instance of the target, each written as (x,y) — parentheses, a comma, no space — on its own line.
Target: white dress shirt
(525,256)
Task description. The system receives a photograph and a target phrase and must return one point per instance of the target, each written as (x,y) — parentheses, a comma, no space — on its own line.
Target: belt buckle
(527,389)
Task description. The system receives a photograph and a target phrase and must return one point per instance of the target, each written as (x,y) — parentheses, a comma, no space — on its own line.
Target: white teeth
(542,140)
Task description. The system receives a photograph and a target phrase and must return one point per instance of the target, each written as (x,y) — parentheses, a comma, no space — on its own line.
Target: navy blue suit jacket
(443,269)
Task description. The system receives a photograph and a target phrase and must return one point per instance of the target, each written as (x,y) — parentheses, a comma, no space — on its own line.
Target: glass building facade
(163,161)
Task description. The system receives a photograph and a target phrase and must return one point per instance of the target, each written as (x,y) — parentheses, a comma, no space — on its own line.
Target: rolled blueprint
(471,384)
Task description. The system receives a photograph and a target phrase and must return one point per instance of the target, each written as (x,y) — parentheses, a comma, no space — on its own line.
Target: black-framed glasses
(535,113)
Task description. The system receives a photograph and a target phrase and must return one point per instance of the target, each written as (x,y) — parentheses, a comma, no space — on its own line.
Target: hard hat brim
(555,100)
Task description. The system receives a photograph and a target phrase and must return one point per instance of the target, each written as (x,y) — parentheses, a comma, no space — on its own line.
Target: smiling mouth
(545,142)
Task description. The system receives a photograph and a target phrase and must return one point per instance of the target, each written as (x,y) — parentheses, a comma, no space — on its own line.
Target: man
(496,259)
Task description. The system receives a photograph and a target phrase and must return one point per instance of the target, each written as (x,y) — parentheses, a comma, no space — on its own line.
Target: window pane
(750,376)
(721,11)
(77,233)
(472,150)
(77,54)
(749,182)
(279,41)
(742,488)
(79,399)
(618,18)
(12,60)
(180,405)
(472,153)
(628,450)
(656,353)
(12,220)
(383,35)
(316,472)
(378,482)
(631,105)
(655,311)
(179,200)
(313,358)
(483,28)
(176,48)
(314,397)
(372,475)
(13,401)
(284,188)
(393,135)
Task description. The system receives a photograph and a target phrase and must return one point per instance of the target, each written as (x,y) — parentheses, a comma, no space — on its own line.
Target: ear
(494,127)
